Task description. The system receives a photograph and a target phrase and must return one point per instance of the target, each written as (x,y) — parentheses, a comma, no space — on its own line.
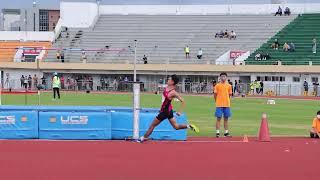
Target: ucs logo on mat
(7,119)
(74,119)
(70,119)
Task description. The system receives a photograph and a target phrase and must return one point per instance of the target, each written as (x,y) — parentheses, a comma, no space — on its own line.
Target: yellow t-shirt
(187,49)
(223,92)
(316,124)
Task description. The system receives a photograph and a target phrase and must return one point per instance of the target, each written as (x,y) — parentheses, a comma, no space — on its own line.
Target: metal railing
(275,89)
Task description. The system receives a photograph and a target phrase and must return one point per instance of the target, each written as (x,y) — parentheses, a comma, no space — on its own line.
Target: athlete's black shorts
(165,115)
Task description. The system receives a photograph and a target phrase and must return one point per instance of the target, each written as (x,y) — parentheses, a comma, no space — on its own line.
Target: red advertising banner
(235,54)
(31,50)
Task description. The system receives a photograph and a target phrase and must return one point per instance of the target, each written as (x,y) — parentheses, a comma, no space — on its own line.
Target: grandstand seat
(163,37)
(301,31)
(8,48)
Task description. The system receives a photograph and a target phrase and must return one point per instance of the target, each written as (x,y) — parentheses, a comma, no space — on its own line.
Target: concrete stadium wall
(233,9)
(26,36)
(78,14)
(84,14)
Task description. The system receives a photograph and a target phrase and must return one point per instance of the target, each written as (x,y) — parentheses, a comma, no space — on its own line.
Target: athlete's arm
(183,103)
(215,91)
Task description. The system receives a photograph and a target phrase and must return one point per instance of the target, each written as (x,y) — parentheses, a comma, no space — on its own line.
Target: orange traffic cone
(245,139)
(264,135)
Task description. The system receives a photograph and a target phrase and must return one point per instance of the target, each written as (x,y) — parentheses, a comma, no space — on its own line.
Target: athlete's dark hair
(175,79)
(318,113)
(223,73)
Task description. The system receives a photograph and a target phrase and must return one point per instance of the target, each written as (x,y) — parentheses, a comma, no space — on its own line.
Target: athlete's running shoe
(194,128)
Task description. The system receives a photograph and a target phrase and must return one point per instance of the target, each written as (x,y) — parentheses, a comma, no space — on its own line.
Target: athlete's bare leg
(218,124)
(226,127)
(154,124)
(177,126)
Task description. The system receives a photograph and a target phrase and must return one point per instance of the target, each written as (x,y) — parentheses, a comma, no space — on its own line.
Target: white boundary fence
(280,89)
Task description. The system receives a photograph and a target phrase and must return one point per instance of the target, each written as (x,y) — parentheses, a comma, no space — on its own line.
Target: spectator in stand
(252,87)
(23,58)
(145,59)
(68,84)
(235,87)
(287,11)
(305,87)
(83,56)
(258,57)
(26,82)
(233,35)
(58,55)
(29,82)
(62,81)
(314,46)
(239,88)
(214,83)
(7,82)
(199,56)
(231,84)
(187,52)
(226,34)
(115,84)
(292,47)
(73,83)
(265,56)
(62,56)
(103,83)
(279,12)
(315,88)
(22,81)
(257,86)
(219,34)
(275,45)
(187,85)
(35,81)
(261,87)
(286,47)
(91,83)
(79,83)
(43,82)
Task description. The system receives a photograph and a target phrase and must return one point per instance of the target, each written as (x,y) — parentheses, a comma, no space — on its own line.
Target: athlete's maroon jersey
(166,106)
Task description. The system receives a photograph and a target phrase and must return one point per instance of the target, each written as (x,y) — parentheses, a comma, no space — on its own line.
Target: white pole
(39,93)
(136,97)
(135,62)
(136,110)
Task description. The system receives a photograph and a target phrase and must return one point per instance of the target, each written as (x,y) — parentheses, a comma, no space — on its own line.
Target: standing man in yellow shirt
(56,85)
(187,51)
(222,94)
(315,131)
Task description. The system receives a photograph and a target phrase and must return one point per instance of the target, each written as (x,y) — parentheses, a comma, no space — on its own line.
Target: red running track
(196,159)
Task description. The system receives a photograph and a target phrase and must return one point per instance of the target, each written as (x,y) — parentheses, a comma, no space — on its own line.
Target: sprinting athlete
(166,111)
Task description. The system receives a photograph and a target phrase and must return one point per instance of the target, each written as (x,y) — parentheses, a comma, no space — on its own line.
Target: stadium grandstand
(109,74)
(216,36)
